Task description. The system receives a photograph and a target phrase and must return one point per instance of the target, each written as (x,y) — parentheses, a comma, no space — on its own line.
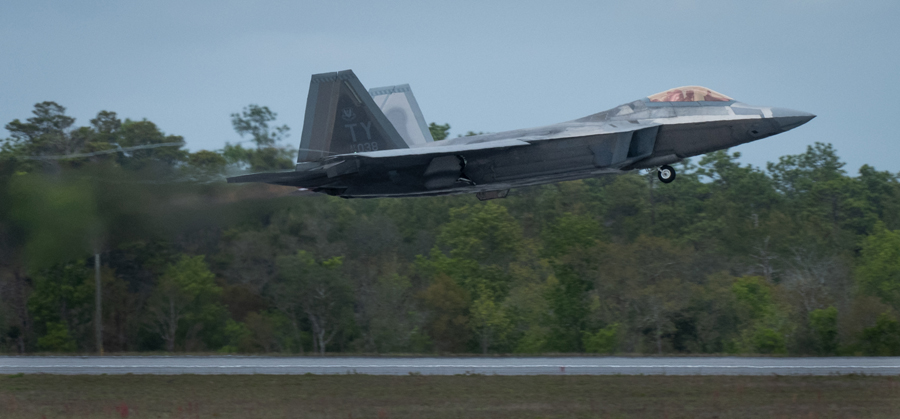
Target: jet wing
(613,146)
(344,164)
(572,129)
(437,149)
(514,138)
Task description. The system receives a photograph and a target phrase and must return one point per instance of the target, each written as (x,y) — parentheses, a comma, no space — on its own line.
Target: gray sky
(478,65)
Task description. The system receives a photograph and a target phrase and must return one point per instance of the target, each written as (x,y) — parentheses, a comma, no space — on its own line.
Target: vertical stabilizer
(342,118)
(401,108)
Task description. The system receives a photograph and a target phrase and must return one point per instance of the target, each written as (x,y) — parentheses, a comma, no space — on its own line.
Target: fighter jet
(359,144)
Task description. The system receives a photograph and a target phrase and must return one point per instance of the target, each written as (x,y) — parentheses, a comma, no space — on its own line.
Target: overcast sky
(479,65)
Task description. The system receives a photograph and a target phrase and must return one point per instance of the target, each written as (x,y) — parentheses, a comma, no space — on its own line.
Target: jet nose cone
(789,119)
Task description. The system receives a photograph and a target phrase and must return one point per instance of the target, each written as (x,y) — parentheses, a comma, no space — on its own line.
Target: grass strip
(423,396)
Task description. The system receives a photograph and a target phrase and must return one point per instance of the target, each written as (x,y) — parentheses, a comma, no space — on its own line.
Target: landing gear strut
(666,174)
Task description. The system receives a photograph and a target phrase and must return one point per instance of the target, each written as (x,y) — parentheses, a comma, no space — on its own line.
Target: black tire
(665,174)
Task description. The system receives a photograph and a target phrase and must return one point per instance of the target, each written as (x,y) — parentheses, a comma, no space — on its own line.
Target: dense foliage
(799,258)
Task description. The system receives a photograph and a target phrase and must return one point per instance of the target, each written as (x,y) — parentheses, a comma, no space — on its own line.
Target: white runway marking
(468,366)
(450,366)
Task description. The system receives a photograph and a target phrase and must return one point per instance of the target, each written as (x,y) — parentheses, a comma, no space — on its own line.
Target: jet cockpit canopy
(689,94)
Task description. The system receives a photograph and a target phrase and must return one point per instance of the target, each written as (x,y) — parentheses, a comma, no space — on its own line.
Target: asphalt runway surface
(448,366)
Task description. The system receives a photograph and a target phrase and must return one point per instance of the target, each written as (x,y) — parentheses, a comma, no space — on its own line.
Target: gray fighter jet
(359,144)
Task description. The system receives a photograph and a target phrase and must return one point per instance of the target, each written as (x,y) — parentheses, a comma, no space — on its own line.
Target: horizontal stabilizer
(278,178)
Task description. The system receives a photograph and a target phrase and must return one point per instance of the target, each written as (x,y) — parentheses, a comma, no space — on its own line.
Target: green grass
(367,396)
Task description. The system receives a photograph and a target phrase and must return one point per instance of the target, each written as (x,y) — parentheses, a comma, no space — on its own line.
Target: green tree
(254,121)
(446,305)
(824,325)
(567,300)
(795,175)
(822,198)
(765,327)
(239,336)
(738,201)
(488,320)
(882,193)
(625,207)
(570,230)
(439,132)
(391,323)
(712,315)
(46,133)
(62,306)
(484,233)
(57,339)
(58,218)
(143,133)
(641,285)
(878,271)
(882,339)
(106,124)
(261,159)
(317,289)
(603,341)
(482,241)
(677,209)
(528,309)
(206,163)
(16,329)
(754,297)
(185,300)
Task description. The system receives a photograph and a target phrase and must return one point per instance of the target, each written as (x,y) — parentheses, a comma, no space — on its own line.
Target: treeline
(800,258)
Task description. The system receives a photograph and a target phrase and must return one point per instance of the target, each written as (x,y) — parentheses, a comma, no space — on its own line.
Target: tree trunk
(297,332)
(317,333)
(658,331)
(652,206)
(20,306)
(171,327)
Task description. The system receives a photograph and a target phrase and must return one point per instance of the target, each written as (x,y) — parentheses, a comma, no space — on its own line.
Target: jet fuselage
(655,131)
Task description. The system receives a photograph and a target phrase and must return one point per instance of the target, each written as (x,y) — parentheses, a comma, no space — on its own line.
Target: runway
(168,365)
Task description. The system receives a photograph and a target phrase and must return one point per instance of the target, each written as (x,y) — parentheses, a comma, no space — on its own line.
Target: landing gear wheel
(666,174)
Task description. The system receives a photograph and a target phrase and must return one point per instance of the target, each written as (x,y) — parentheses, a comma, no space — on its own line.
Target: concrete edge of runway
(450,365)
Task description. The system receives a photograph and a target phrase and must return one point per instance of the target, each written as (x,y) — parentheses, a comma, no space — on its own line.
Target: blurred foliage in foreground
(800,258)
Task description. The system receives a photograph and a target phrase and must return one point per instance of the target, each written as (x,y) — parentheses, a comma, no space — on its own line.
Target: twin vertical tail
(400,107)
(342,118)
